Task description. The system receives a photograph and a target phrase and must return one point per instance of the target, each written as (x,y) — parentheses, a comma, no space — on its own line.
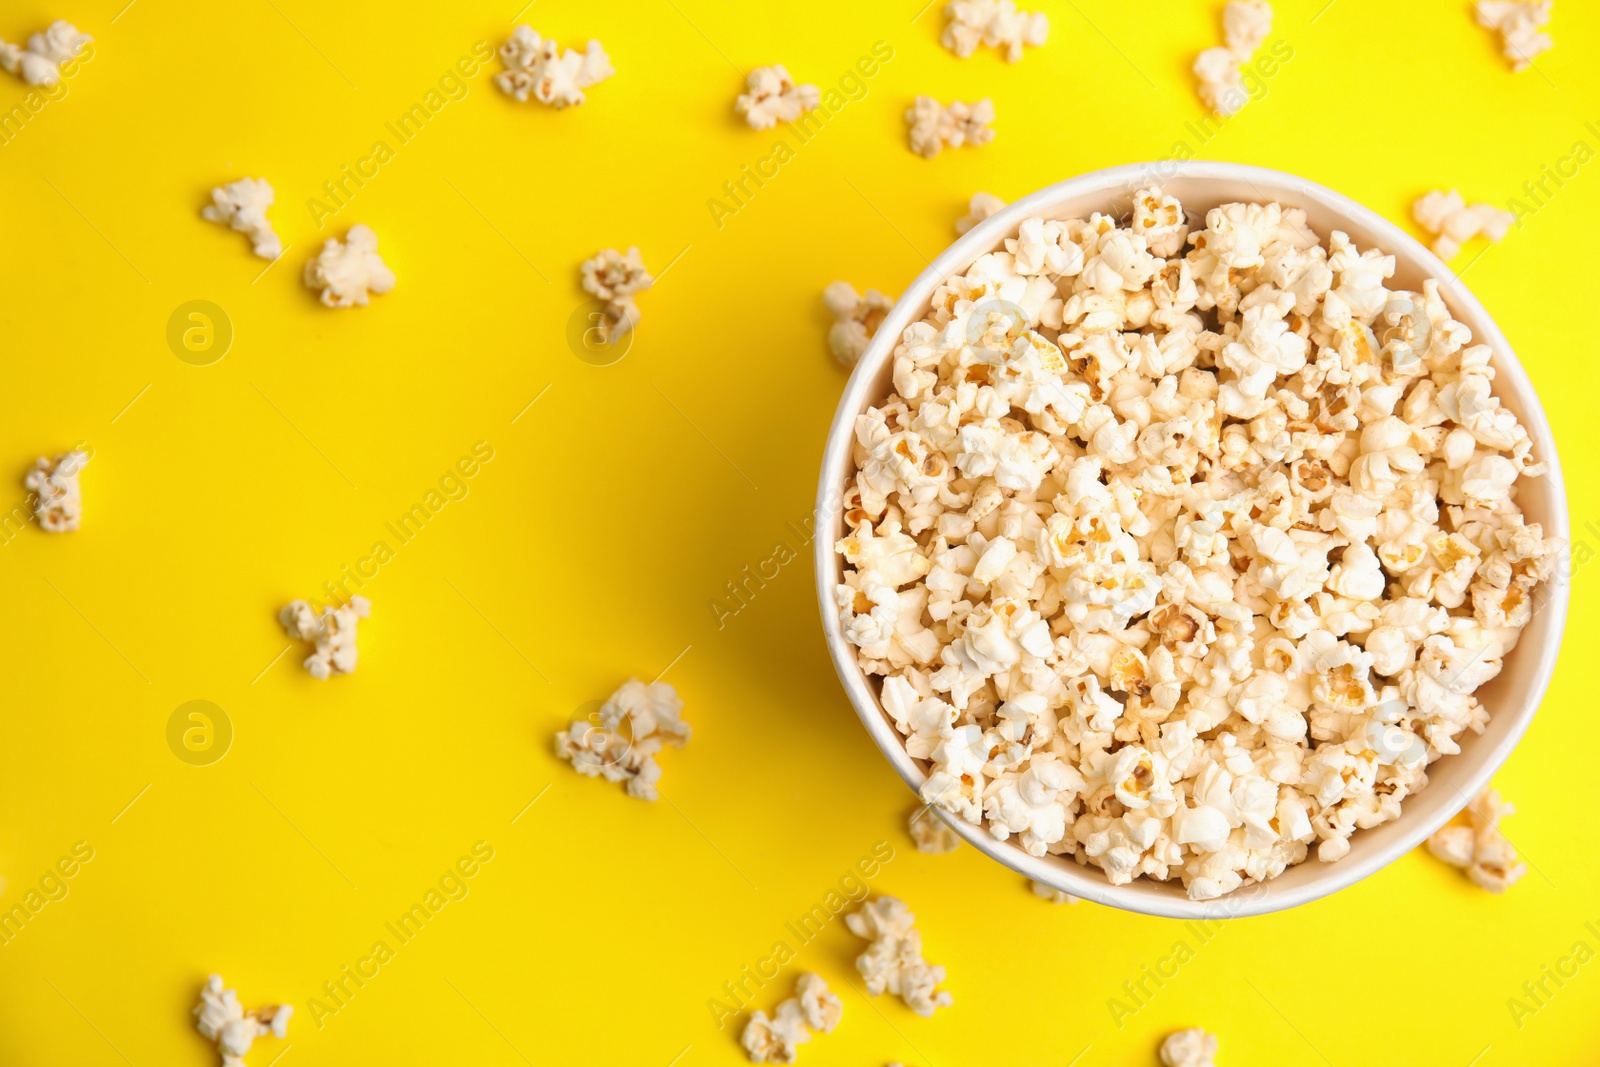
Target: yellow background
(614,511)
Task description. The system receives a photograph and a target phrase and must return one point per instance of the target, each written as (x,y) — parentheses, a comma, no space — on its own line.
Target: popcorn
(992,23)
(58,501)
(893,961)
(981,207)
(1050,893)
(822,1009)
(935,126)
(1520,24)
(539,66)
(931,833)
(774,98)
(243,205)
(349,271)
(220,1019)
(1452,222)
(40,62)
(1160,220)
(621,743)
(1245,24)
(773,1040)
(1188,1048)
(1183,548)
(856,318)
(614,278)
(333,631)
(1479,848)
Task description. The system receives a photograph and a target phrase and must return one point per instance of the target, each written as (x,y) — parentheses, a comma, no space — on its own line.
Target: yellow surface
(614,510)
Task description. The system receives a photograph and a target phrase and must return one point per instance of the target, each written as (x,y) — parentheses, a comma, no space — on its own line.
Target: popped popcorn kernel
(349,271)
(820,1006)
(931,833)
(537,66)
(1479,848)
(1182,544)
(935,126)
(614,278)
(243,206)
(856,318)
(1189,1048)
(893,961)
(332,631)
(1453,222)
(774,1039)
(1245,24)
(1520,24)
(221,1020)
(58,499)
(981,207)
(40,62)
(626,734)
(993,24)
(1160,220)
(773,97)
(1052,894)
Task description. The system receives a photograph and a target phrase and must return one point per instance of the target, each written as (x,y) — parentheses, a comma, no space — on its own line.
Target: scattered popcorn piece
(621,744)
(1050,893)
(40,62)
(774,98)
(992,23)
(856,319)
(58,501)
(220,1019)
(243,205)
(774,1040)
(981,207)
(539,66)
(614,278)
(1182,548)
(1520,24)
(893,961)
(820,1006)
(1453,222)
(1189,1048)
(348,271)
(931,833)
(935,126)
(813,1007)
(1245,24)
(1479,848)
(333,632)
